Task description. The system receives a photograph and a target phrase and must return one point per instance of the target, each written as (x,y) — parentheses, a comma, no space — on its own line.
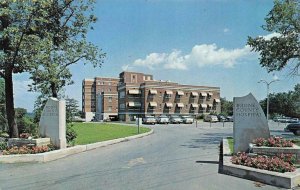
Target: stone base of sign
(271,151)
(25,142)
(285,180)
(53,122)
(249,122)
(57,154)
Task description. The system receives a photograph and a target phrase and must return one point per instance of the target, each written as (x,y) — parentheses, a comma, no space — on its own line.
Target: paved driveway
(179,157)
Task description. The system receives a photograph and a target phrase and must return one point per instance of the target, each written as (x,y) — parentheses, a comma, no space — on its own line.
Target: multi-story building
(134,94)
(140,95)
(100,98)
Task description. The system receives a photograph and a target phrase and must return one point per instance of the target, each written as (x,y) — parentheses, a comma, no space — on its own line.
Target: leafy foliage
(68,27)
(71,109)
(226,107)
(43,37)
(23,40)
(71,134)
(25,123)
(3,121)
(282,49)
(282,164)
(28,150)
(284,103)
(273,142)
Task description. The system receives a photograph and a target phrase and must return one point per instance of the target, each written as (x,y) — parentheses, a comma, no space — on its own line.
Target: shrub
(200,116)
(26,125)
(277,164)
(70,134)
(28,150)
(273,142)
(3,145)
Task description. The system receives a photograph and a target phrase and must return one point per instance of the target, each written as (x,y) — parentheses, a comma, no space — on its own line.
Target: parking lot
(276,128)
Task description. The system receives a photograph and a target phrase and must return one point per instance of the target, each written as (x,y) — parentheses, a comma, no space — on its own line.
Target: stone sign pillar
(53,122)
(249,122)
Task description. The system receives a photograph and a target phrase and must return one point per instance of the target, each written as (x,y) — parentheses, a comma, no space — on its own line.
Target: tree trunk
(10,110)
(53,90)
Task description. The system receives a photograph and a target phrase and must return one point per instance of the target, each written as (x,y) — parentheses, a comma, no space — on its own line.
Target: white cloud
(269,36)
(225,30)
(210,54)
(200,55)
(151,60)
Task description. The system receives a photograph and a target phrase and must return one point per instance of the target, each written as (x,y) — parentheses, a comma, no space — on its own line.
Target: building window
(122,94)
(109,99)
(109,108)
(133,78)
(122,106)
(109,89)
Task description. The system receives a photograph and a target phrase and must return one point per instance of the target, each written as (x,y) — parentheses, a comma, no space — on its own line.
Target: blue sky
(201,42)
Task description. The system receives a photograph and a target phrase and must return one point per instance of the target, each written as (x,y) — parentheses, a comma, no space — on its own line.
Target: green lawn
(296,141)
(96,132)
(230,142)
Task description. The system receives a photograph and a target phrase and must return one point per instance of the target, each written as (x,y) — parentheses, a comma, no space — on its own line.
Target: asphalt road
(179,157)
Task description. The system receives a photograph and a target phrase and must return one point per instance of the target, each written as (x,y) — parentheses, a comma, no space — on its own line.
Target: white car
(187,119)
(211,118)
(163,119)
(149,120)
(175,119)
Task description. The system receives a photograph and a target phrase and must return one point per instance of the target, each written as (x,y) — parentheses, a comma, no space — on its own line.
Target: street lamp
(268,87)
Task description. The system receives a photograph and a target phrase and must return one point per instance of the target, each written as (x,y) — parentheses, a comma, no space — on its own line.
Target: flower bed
(28,150)
(273,142)
(283,163)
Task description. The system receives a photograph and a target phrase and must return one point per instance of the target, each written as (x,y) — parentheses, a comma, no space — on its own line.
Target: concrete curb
(286,180)
(57,154)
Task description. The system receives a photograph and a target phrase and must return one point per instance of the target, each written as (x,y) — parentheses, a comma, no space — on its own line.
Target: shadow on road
(207,139)
(207,162)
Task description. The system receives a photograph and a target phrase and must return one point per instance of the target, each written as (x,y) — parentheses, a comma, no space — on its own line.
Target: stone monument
(53,122)
(249,122)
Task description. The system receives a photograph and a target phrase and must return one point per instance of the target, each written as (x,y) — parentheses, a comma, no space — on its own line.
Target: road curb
(57,154)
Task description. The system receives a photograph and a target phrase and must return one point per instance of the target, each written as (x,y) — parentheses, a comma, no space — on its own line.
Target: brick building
(99,95)
(136,93)
(140,94)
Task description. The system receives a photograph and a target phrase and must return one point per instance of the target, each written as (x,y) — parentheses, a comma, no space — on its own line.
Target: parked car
(211,118)
(187,119)
(149,120)
(163,119)
(293,120)
(222,118)
(293,127)
(175,119)
(283,119)
(229,118)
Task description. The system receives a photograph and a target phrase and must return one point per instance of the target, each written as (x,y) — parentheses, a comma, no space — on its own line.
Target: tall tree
(71,109)
(69,25)
(226,107)
(22,42)
(284,103)
(283,48)
(3,122)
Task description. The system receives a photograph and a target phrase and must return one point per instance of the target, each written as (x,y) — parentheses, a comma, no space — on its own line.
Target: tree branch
(70,63)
